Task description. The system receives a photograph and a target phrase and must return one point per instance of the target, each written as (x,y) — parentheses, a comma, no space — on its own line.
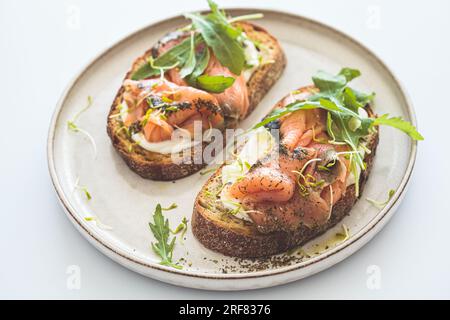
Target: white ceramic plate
(125,202)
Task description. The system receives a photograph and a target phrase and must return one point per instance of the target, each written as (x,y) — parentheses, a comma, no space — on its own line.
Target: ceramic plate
(124,202)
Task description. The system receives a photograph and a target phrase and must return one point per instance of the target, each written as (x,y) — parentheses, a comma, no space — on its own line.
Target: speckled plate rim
(352,244)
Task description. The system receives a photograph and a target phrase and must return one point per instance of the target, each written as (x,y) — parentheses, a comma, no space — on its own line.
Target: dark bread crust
(235,237)
(157,166)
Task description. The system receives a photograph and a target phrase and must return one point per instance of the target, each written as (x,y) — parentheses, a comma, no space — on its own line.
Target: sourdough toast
(157,166)
(221,231)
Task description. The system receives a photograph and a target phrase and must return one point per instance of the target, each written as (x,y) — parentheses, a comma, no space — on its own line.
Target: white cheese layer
(163,147)
(259,143)
(252,58)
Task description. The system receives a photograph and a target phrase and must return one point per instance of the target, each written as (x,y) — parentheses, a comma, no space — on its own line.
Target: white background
(42,48)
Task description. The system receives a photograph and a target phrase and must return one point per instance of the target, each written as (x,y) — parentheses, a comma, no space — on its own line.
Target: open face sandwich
(212,73)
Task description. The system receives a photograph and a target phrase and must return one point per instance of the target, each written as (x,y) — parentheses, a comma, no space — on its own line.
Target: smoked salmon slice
(160,107)
(302,180)
(234,100)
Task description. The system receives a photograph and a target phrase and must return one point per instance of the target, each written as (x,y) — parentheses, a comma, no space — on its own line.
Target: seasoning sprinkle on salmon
(290,188)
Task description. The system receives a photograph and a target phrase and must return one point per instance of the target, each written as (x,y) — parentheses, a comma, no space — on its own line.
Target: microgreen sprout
(161,69)
(171,207)
(344,235)
(83,189)
(331,201)
(72,126)
(182,227)
(382,204)
(252,16)
(98,222)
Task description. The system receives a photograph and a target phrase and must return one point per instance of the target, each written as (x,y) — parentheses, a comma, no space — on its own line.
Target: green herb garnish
(79,113)
(217,33)
(146,117)
(345,123)
(72,126)
(400,124)
(161,231)
(215,84)
(344,235)
(221,37)
(182,226)
(380,204)
(86,192)
(176,56)
(124,129)
(171,207)
(191,60)
(202,61)
(83,189)
(98,222)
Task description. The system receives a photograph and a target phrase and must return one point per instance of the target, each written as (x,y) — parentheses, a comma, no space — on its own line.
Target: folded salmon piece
(234,100)
(185,106)
(301,180)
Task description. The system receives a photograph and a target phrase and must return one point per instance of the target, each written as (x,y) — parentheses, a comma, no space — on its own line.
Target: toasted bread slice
(220,231)
(157,166)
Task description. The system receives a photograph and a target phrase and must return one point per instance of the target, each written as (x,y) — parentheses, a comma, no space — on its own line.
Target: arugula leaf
(163,248)
(341,128)
(178,54)
(345,125)
(347,116)
(202,63)
(350,73)
(219,34)
(220,14)
(298,105)
(363,98)
(332,83)
(189,65)
(398,123)
(329,83)
(215,84)
(221,37)
(350,100)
